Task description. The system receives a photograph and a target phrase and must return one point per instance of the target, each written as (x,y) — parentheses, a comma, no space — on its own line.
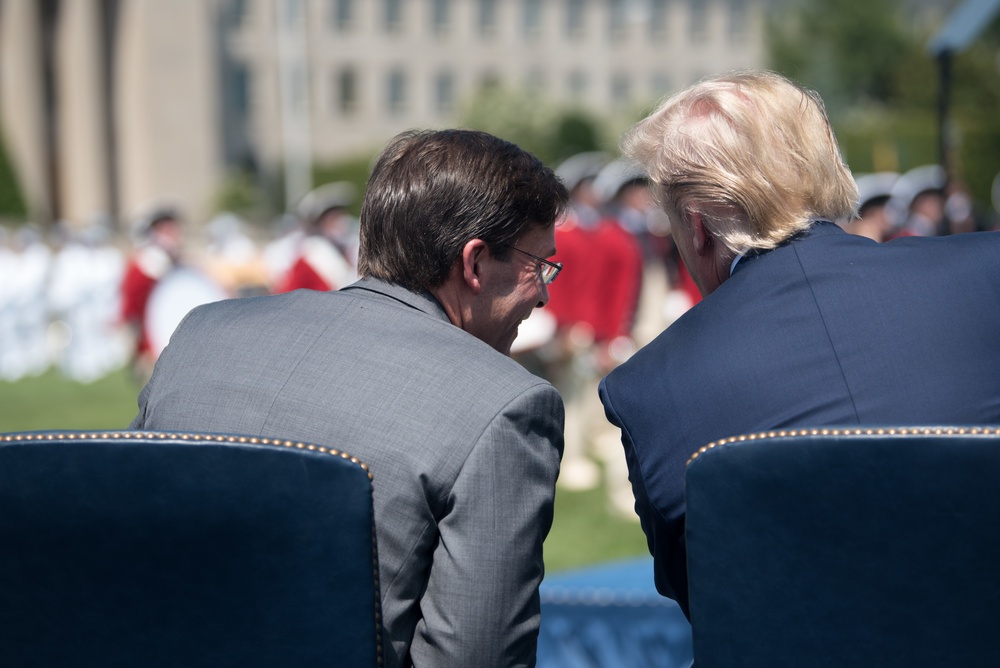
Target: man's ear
(474,253)
(701,236)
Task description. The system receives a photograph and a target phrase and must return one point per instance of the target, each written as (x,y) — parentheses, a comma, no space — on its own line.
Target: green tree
(851,51)
(551,132)
(11,201)
(521,118)
(240,193)
(881,86)
(575,131)
(974,124)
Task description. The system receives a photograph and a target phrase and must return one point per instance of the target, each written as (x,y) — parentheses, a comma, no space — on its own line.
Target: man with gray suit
(408,370)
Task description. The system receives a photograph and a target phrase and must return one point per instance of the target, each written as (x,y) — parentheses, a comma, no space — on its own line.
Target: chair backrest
(846,547)
(158,549)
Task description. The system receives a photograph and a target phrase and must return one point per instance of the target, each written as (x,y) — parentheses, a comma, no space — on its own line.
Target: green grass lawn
(584,530)
(51,401)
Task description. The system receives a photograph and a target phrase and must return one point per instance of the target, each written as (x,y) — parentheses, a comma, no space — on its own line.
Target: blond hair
(752,152)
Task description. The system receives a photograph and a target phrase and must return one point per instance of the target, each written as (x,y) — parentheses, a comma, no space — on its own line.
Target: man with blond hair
(802,324)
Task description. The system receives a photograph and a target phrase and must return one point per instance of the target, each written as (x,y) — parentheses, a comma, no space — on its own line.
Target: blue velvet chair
(154,549)
(846,547)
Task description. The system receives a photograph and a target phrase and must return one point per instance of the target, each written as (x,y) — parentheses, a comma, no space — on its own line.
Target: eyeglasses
(547,270)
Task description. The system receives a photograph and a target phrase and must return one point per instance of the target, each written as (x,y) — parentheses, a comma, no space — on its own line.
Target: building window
(392,17)
(534,81)
(698,28)
(343,15)
(659,85)
(444,93)
(577,85)
(658,19)
(489,80)
(236,13)
(291,13)
(532,18)
(621,90)
(440,16)
(396,102)
(738,22)
(487,17)
(576,11)
(239,89)
(617,10)
(347,91)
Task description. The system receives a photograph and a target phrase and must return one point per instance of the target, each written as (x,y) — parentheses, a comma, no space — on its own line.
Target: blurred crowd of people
(622,283)
(59,302)
(920,202)
(89,302)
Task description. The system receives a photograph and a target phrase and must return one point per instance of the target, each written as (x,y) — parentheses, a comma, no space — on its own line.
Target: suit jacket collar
(818,228)
(422,301)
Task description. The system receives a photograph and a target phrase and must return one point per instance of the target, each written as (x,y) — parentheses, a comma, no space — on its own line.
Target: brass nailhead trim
(855,431)
(184,436)
(83,436)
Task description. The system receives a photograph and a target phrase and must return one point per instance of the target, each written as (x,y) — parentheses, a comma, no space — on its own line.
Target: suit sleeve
(664,535)
(139,421)
(481,606)
(183,330)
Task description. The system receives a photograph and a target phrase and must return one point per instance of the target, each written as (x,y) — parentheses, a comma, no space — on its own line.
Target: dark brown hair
(431,192)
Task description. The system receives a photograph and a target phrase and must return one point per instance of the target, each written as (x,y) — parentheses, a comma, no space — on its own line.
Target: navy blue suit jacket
(828,329)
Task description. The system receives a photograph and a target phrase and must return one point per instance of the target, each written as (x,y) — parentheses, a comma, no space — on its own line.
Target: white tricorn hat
(337,195)
(918,180)
(574,170)
(616,175)
(151,213)
(875,186)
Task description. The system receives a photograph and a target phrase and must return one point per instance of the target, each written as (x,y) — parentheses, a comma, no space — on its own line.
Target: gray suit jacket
(463,443)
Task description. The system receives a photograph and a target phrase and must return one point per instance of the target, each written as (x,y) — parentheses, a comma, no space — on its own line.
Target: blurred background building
(108,104)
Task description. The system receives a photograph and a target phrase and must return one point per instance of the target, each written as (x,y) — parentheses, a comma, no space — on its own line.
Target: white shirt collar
(732,267)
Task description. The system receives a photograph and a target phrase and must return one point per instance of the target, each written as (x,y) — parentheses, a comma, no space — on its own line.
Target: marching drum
(173,297)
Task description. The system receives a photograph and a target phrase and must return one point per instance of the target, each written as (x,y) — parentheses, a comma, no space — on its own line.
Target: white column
(166,106)
(83,162)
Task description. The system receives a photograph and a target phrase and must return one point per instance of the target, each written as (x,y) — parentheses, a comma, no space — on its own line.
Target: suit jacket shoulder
(463,444)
